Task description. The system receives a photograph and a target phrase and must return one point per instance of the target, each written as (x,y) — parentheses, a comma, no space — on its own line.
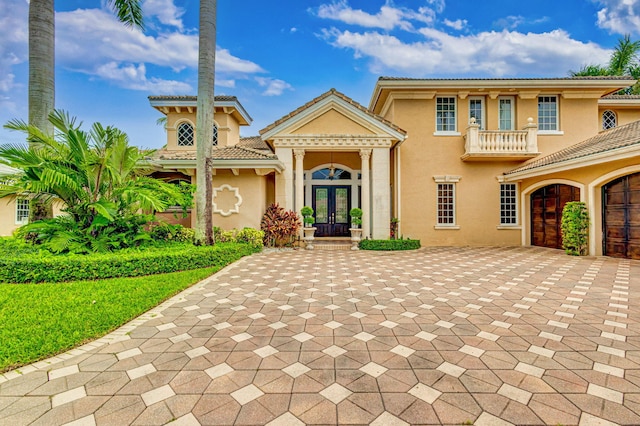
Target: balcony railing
(500,144)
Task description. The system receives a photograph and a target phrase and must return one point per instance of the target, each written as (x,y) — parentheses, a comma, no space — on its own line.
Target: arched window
(185,134)
(215,134)
(331,173)
(609,120)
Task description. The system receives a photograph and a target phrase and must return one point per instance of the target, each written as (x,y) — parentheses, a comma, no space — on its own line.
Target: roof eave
(574,163)
(158,103)
(274,163)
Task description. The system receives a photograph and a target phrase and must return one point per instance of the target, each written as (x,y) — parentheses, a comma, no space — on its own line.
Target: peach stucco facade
(441,156)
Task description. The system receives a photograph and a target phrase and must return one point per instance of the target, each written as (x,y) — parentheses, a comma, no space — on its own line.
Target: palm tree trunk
(204,120)
(41,63)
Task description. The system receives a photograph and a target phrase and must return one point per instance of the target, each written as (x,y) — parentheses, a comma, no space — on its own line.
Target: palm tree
(623,62)
(98,176)
(42,54)
(205,120)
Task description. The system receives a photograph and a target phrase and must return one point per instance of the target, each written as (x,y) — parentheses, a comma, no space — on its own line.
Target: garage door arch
(547,204)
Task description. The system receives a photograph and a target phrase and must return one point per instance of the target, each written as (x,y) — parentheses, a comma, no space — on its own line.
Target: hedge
(47,268)
(389,244)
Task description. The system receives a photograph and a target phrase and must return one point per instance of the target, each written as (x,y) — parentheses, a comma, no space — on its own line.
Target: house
(13,211)
(457,161)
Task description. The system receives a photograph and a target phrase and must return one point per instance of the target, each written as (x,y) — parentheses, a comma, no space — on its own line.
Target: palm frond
(129,12)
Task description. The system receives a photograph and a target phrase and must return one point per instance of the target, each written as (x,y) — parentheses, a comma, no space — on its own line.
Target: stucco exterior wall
(253,191)
(425,155)
(228,129)
(8,216)
(332,122)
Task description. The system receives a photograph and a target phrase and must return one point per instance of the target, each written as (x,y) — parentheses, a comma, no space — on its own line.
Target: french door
(331,205)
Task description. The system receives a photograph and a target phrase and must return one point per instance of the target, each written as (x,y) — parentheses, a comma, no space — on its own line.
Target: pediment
(333,114)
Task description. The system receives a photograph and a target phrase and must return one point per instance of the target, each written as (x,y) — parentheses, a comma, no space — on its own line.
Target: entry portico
(336,155)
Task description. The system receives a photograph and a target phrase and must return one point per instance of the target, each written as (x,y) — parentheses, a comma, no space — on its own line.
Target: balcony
(496,145)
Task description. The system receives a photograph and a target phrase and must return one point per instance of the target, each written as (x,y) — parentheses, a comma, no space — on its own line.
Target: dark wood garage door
(621,221)
(546,213)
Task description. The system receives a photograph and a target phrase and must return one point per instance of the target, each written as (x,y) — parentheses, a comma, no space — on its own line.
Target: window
(508,204)
(215,134)
(22,211)
(548,113)
(609,120)
(446,204)
(506,113)
(446,114)
(185,134)
(476,110)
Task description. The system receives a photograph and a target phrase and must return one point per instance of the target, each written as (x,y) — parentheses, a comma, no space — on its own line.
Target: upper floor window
(609,120)
(446,114)
(506,113)
(22,211)
(548,113)
(185,134)
(476,110)
(215,134)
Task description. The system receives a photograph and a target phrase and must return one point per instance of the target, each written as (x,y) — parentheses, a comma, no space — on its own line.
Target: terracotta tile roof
(254,142)
(221,98)
(614,96)
(326,95)
(237,152)
(609,140)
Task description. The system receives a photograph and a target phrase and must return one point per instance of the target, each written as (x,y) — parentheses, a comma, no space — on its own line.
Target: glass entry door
(331,205)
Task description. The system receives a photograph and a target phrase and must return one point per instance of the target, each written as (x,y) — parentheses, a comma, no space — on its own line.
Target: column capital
(299,153)
(365,153)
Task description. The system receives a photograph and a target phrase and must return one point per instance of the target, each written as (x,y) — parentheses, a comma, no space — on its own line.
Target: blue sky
(277,55)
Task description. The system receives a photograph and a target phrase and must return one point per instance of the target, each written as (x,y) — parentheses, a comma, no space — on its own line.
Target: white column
(365,155)
(299,154)
(284,181)
(381,193)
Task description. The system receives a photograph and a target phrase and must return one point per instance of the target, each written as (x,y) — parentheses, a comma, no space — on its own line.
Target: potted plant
(309,230)
(356,231)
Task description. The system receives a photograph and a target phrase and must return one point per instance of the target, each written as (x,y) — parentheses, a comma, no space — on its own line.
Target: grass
(41,320)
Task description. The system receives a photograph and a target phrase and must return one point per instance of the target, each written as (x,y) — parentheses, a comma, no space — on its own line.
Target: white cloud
(134,77)
(387,18)
(226,83)
(619,16)
(458,24)
(165,11)
(492,53)
(510,22)
(274,87)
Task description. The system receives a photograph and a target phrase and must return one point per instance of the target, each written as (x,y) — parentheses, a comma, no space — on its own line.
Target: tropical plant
(356,217)
(280,226)
(575,228)
(307,215)
(98,177)
(205,120)
(623,62)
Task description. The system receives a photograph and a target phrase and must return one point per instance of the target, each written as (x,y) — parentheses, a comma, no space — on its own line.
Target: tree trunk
(204,120)
(41,63)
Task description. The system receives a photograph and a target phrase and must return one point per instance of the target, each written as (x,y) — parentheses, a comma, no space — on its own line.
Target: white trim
(26,219)
(455,115)
(441,227)
(354,182)
(557,120)
(595,185)
(517,202)
(550,132)
(447,178)
(447,134)
(526,192)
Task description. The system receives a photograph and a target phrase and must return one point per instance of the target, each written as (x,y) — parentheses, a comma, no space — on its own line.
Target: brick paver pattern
(487,336)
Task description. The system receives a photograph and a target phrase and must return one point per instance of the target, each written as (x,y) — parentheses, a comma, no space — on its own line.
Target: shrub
(280,226)
(389,244)
(167,232)
(356,216)
(45,267)
(575,228)
(250,236)
(307,214)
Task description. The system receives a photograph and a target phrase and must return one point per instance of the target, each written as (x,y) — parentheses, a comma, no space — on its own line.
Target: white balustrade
(501,142)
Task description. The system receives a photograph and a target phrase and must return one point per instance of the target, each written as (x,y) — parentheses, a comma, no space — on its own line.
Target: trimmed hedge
(35,268)
(389,244)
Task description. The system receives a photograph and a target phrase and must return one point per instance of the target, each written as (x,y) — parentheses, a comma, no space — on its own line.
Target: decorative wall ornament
(235,192)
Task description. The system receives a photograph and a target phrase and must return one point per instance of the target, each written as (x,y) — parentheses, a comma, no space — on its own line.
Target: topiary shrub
(575,228)
(307,214)
(356,217)
(280,226)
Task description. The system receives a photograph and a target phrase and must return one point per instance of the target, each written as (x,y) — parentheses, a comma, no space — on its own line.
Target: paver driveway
(439,335)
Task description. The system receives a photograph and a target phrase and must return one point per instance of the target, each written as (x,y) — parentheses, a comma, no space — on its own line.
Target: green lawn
(40,320)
